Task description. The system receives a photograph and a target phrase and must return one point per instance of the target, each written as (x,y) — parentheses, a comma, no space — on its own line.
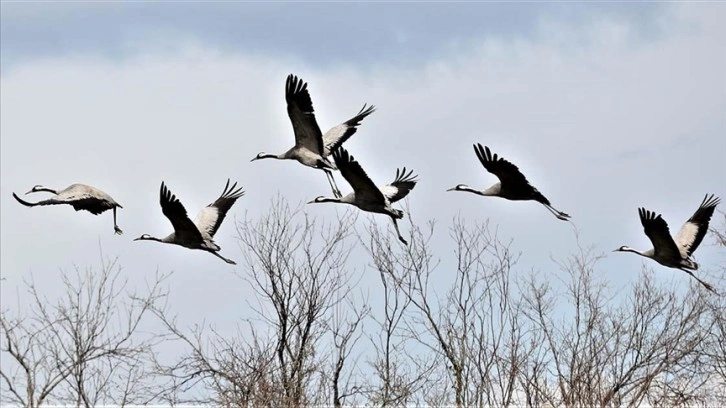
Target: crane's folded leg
(395,225)
(333,185)
(559,214)
(706,285)
(229,261)
(116,229)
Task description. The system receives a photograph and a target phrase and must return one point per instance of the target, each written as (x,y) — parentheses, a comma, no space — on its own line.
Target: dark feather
(352,172)
(512,180)
(177,214)
(656,228)
(701,218)
(224,203)
(302,115)
(403,183)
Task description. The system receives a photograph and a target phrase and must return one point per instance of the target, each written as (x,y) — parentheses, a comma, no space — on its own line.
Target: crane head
(36,189)
(263,155)
(459,187)
(323,199)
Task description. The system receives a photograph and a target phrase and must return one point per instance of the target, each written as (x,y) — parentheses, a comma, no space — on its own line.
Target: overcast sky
(604,107)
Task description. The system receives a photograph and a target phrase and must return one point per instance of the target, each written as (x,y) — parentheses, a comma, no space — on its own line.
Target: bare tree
(467,329)
(714,351)
(720,232)
(399,375)
(599,346)
(563,337)
(84,348)
(470,326)
(303,285)
(346,329)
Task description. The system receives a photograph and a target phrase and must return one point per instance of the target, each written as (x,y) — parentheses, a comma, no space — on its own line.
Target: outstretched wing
(177,214)
(210,217)
(335,137)
(401,185)
(352,172)
(78,200)
(507,172)
(692,232)
(302,115)
(657,230)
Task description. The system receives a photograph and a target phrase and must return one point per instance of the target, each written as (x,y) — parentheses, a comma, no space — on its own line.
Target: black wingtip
(490,156)
(294,85)
(165,193)
(702,215)
(232,192)
(341,156)
(366,111)
(710,201)
(643,213)
(484,153)
(647,215)
(296,92)
(290,83)
(403,176)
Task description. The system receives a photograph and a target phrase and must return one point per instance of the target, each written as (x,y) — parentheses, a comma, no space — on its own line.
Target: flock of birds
(314,149)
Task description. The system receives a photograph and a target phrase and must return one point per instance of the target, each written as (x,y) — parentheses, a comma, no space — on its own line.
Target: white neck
(647,254)
(491,191)
(272,156)
(46,189)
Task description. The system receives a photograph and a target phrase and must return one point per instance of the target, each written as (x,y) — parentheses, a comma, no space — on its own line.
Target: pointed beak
(137,239)
(29,192)
(616,250)
(310,202)
(452,189)
(253,159)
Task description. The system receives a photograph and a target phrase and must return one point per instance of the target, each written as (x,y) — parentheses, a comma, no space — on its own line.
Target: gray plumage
(366,195)
(676,252)
(312,147)
(80,197)
(198,234)
(512,183)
